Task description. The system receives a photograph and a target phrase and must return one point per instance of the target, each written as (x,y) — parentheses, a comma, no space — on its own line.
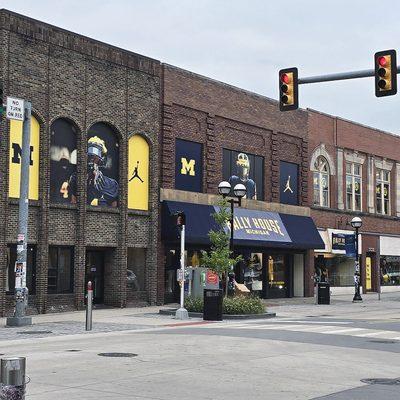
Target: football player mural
(243,176)
(247,169)
(102,168)
(62,160)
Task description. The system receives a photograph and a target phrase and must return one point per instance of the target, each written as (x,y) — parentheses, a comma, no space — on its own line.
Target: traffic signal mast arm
(366,73)
(338,76)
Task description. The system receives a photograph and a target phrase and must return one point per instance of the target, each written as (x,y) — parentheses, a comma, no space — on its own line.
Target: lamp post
(224,188)
(356,223)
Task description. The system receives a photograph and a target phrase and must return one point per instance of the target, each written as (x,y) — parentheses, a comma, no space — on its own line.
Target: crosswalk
(320,327)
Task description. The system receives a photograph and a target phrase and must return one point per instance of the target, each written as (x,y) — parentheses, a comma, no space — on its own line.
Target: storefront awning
(251,227)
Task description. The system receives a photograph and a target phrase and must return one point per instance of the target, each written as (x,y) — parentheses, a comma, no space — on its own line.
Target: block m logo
(188,167)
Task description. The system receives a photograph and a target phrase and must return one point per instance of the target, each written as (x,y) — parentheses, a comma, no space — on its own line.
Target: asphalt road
(307,352)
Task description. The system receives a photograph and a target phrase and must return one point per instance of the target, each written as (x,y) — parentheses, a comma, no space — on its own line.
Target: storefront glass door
(278,276)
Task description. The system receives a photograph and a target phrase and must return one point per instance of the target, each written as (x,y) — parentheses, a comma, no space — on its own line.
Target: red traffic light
(285,78)
(288,89)
(385,73)
(382,61)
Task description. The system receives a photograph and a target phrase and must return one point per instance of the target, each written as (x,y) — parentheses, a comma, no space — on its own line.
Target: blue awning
(252,228)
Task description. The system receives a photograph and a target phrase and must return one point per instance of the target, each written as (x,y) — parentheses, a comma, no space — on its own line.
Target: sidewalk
(117,319)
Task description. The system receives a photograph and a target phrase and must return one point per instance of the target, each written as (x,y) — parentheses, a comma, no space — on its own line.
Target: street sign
(15,109)
(179,275)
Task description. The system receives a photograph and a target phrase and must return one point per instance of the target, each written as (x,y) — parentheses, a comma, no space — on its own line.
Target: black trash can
(212,310)
(324,293)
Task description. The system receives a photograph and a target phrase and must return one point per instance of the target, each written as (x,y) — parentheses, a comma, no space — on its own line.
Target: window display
(390,270)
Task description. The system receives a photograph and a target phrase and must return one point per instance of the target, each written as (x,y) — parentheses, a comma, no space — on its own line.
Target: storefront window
(390,270)
(252,273)
(60,274)
(136,269)
(338,270)
(30,269)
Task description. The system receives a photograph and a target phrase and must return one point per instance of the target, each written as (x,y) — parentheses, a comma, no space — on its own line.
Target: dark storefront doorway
(278,277)
(95,274)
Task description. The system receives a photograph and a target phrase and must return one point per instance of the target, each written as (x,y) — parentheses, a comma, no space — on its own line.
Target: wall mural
(138,173)
(15,159)
(102,168)
(289,183)
(188,166)
(63,159)
(247,169)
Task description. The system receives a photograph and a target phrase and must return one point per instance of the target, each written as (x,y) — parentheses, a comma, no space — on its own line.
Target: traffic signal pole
(385,73)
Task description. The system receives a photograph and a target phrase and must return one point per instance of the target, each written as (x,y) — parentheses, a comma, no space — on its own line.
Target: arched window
(321,182)
(62,160)
(102,166)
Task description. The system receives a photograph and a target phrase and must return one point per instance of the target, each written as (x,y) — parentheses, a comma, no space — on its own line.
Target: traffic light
(288,89)
(180,218)
(385,73)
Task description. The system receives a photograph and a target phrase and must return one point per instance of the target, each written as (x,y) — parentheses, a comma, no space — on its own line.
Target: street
(306,352)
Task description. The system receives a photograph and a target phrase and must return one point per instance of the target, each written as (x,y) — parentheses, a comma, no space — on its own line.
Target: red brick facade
(373,146)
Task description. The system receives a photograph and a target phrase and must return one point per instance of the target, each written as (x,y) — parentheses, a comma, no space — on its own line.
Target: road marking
(311,328)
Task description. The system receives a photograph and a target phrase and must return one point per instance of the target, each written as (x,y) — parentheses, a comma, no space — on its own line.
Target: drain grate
(34,332)
(117,354)
(381,381)
(384,341)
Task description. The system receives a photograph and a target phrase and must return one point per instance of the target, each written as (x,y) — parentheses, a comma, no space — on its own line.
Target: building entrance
(278,278)
(95,274)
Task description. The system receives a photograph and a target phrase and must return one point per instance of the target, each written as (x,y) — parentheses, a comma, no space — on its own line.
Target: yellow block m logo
(188,167)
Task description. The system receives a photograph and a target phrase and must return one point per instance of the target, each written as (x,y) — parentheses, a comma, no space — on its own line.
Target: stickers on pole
(15,109)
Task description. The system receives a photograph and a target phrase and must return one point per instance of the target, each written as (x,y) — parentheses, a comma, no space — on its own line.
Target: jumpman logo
(136,173)
(287,187)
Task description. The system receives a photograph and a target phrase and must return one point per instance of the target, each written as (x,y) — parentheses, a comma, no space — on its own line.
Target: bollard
(89,306)
(12,378)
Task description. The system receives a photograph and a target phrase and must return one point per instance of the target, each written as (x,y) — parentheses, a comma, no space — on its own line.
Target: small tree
(220,258)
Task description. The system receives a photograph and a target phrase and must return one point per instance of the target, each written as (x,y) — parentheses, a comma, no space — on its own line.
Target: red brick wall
(220,116)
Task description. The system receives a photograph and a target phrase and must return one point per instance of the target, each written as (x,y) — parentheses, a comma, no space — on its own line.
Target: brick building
(355,171)
(120,142)
(94,167)
(213,132)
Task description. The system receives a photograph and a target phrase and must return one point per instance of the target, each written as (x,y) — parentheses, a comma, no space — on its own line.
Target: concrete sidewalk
(126,319)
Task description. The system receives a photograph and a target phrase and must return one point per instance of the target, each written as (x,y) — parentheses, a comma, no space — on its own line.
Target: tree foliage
(220,259)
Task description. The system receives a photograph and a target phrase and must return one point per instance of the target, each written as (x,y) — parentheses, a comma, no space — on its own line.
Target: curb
(171,311)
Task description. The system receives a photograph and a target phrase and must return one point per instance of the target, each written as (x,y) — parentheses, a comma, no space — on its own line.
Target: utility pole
(20,109)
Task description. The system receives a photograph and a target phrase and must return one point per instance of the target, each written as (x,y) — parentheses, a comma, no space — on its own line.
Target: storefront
(335,263)
(389,263)
(273,246)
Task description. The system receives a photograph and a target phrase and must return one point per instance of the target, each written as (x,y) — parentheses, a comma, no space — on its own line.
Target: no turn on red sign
(15,108)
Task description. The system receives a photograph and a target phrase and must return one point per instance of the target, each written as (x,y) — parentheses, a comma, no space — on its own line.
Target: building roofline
(354,123)
(78,35)
(226,85)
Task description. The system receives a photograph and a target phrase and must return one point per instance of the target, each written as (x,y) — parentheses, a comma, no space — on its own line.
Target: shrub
(194,304)
(243,305)
(231,305)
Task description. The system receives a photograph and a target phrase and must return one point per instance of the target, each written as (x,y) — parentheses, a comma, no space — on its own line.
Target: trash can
(324,293)
(212,309)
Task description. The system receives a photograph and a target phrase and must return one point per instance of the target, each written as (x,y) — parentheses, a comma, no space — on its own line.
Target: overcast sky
(245,43)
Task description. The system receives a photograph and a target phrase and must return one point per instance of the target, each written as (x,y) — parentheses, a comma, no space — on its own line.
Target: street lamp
(356,223)
(224,188)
